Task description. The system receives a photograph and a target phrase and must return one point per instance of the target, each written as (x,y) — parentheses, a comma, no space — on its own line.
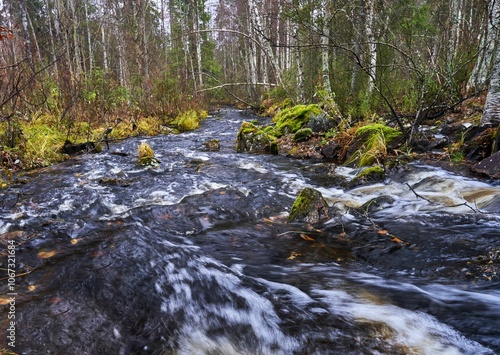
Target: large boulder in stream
(489,166)
(254,139)
(292,119)
(309,207)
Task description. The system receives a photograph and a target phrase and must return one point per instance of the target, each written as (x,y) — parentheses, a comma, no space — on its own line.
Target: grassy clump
(374,140)
(146,155)
(189,120)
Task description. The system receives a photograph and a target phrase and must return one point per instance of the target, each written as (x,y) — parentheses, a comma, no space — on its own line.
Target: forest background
(71,70)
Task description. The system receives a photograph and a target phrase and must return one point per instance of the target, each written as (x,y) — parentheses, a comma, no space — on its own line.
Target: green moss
(389,133)
(252,138)
(370,175)
(373,171)
(290,120)
(303,135)
(308,206)
(374,140)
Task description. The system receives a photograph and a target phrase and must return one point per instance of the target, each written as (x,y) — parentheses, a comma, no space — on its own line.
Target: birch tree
(372,45)
(491,114)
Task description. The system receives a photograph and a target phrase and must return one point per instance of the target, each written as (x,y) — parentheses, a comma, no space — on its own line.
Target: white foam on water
(419,332)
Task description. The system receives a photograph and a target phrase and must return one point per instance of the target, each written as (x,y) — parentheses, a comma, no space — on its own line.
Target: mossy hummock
(290,120)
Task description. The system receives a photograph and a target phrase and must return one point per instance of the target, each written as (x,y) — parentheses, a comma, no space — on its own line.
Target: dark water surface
(196,257)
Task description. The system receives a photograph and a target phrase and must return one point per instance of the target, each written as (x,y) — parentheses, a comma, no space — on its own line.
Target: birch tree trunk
(358,24)
(52,44)
(196,25)
(325,39)
(26,34)
(482,68)
(266,44)
(89,39)
(372,46)
(298,62)
(491,113)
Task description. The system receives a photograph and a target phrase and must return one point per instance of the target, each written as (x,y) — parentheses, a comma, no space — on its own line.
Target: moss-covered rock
(371,174)
(291,119)
(254,139)
(302,135)
(309,207)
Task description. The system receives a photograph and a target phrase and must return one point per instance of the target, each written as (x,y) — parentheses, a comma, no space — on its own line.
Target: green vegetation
(309,204)
(189,120)
(291,119)
(252,138)
(146,155)
(302,135)
(373,140)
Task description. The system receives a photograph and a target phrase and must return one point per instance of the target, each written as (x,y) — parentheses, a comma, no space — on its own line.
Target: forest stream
(195,256)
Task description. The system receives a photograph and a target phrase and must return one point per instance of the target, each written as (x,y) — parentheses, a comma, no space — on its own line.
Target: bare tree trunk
(491,113)
(358,25)
(196,23)
(482,69)
(26,34)
(325,39)
(52,44)
(298,62)
(372,45)
(266,44)
(89,39)
(76,42)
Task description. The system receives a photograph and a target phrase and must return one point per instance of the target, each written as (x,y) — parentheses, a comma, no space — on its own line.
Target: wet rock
(377,204)
(321,123)
(330,150)
(489,166)
(254,139)
(369,175)
(212,145)
(114,182)
(292,119)
(80,148)
(309,207)
(477,142)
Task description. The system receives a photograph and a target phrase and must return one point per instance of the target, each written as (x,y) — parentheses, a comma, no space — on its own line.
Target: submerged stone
(309,207)
(212,144)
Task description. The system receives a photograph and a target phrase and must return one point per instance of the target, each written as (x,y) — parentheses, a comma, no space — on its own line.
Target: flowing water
(195,256)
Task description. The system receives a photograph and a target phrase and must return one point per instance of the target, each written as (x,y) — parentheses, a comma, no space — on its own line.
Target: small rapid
(196,257)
